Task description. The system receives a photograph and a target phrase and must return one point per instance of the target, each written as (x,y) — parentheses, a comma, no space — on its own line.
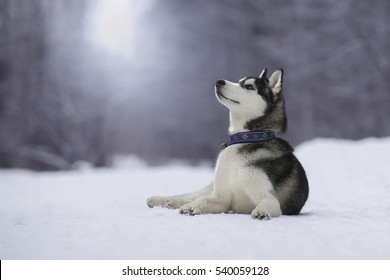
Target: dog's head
(253,97)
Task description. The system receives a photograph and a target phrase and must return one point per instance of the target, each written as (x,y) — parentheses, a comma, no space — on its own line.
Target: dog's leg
(213,204)
(267,207)
(266,204)
(177,201)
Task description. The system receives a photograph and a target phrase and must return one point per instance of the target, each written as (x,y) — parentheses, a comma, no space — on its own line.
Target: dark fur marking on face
(274,118)
(264,90)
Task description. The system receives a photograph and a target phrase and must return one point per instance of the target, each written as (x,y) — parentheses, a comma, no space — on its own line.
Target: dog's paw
(261,214)
(187,209)
(267,209)
(175,203)
(156,201)
(167,202)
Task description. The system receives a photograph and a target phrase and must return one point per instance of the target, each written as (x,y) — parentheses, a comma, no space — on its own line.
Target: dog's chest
(230,159)
(235,169)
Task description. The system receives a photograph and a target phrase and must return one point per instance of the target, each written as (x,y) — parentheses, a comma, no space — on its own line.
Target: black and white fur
(262,179)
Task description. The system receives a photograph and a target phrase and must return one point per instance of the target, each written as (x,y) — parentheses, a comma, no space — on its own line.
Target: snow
(102,213)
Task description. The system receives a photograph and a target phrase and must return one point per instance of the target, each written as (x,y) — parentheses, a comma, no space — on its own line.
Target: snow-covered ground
(102,214)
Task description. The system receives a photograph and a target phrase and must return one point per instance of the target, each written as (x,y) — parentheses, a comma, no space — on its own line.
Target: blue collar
(249,137)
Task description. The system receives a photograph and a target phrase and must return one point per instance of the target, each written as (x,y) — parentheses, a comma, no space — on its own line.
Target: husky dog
(255,173)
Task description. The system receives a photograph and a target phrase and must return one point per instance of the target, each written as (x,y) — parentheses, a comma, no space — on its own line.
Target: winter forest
(83,81)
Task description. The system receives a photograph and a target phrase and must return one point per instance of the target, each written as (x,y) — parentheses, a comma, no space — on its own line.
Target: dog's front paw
(168,202)
(263,213)
(267,209)
(260,214)
(188,209)
(156,201)
(175,203)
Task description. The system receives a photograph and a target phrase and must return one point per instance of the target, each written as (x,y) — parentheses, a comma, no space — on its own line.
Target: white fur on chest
(243,183)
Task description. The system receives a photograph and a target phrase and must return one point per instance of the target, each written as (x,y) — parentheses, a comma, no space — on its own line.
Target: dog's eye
(250,87)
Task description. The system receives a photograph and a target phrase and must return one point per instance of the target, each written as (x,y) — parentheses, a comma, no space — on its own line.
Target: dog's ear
(263,74)
(276,81)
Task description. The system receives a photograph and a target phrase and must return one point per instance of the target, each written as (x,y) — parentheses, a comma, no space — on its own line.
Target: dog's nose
(220,83)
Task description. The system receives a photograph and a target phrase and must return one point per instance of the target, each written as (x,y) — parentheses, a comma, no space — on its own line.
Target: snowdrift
(102,213)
